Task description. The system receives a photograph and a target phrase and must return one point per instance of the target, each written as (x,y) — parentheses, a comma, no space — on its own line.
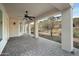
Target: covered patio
(17,32)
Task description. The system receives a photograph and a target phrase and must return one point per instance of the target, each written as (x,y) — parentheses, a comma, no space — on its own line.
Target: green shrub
(76,33)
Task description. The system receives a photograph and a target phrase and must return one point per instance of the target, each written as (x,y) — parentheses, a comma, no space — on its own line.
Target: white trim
(3,44)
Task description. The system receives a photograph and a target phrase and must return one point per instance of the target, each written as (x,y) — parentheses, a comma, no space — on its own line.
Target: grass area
(76,35)
(58,39)
(54,38)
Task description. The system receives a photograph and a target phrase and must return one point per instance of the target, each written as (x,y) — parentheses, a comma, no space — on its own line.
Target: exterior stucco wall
(5,26)
(14,29)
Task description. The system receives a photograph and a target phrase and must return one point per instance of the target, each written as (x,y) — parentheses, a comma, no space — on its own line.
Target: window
(0,25)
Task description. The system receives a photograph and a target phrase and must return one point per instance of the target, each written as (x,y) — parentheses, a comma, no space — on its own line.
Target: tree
(52,23)
(49,24)
(76,22)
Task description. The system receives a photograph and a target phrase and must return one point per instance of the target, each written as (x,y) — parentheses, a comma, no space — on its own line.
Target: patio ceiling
(17,10)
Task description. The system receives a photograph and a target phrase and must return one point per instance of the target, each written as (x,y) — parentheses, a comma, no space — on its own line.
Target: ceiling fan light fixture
(26,16)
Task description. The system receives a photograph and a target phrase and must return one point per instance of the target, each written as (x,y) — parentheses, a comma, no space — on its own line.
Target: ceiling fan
(27,17)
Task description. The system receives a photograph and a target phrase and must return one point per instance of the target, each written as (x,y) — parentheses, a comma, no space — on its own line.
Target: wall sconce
(14,23)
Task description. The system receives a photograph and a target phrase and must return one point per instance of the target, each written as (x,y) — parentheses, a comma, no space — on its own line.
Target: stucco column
(36,28)
(26,28)
(29,28)
(67,30)
(23,28)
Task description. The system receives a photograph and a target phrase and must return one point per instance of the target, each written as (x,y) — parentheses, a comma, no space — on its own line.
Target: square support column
(67,30)
(36,28)
(29,28)
(26,28)
(23,28)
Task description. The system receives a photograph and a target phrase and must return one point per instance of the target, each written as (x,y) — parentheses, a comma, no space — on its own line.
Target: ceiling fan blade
(26,16)
(31,17)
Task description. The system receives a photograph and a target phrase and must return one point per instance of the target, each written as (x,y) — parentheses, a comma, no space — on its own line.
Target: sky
(76,10)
